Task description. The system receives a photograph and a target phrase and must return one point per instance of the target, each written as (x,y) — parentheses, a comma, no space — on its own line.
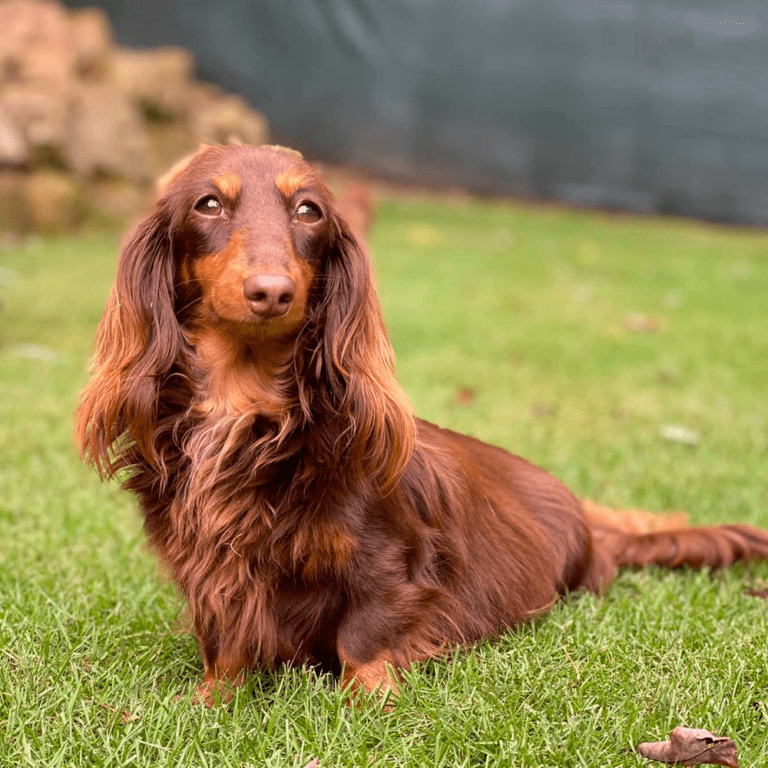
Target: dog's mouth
(258,327)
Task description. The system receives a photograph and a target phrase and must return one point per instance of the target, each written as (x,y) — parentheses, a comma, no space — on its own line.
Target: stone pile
(85,126)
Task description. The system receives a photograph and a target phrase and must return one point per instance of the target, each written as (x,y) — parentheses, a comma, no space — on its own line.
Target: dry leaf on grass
(464,396)
(637,323)
(542,410)
(692,746)
(125,717)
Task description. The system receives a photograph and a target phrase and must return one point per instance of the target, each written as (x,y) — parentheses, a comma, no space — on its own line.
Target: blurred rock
(85,126)
(39,113)
(118,200)
(107,136)
(92,37)
(15,215)
(54,199)
(167,143)
(14,149)
(227,120)
(158,80)
(36,43)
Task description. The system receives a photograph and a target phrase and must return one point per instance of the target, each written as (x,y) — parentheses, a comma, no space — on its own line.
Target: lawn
(574,339)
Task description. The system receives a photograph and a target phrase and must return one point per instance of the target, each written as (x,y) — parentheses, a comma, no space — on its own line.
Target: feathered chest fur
(249,489)
(242,514)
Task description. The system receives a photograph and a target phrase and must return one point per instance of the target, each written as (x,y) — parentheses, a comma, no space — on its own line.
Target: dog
(243,387)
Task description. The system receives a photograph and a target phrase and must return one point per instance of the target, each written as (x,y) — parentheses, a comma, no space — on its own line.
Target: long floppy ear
(137,342)
(353,363)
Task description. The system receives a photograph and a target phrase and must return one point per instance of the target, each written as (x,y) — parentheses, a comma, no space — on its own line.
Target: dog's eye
(308,213)
(209,206)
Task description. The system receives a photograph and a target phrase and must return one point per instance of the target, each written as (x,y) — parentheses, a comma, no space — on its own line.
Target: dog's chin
(251,327)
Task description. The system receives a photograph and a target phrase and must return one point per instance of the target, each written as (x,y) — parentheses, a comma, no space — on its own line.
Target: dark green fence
(651,105)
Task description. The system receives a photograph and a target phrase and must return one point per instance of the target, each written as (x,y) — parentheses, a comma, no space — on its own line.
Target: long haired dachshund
(244,389)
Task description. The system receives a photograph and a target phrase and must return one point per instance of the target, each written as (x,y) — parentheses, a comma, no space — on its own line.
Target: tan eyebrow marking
(289,182)
(229,184)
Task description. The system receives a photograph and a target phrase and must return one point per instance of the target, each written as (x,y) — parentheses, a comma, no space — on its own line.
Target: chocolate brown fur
(284,481)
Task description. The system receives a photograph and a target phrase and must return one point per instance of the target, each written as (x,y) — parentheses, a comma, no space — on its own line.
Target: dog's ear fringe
(137,343)
(355,362)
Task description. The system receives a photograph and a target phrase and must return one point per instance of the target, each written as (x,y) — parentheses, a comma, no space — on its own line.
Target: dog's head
(251,232)
(247,256)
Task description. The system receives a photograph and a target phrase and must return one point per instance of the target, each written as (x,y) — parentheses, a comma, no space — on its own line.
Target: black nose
(269,295)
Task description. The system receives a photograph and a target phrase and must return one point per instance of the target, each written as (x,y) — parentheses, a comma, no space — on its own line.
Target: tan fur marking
(304,283)
(288,182)
(378,675)
(229,184)
(239,382)
(221,277)
(221,274)
(219,682)
(243,360)
(330,549)
(185,275)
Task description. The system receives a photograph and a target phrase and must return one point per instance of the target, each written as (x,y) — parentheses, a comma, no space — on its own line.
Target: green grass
(523,308)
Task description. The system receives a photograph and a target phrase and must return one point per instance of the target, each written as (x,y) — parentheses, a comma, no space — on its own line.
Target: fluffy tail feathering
(635,539)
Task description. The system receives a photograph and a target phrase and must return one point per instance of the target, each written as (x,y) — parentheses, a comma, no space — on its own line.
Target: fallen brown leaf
(542,410)
(125,717)
(637,323)
(756,592)
(464,396)
(692,746)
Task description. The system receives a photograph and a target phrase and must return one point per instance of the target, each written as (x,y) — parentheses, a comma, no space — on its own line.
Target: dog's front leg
(223,673)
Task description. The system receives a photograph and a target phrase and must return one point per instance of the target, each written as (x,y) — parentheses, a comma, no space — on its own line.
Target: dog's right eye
(209,206)
(308,213)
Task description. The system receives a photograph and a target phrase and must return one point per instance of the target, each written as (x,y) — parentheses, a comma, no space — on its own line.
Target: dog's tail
(715,547)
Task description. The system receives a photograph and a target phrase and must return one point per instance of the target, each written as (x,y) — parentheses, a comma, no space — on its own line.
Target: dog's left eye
(209,206)
(308,213)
